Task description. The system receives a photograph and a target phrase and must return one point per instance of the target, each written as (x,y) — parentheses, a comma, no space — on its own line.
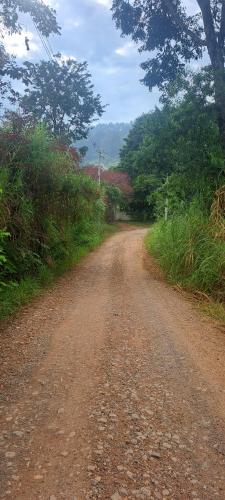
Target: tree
(11,10)
(175,153)
(60,94)
(174,37)
(42,15)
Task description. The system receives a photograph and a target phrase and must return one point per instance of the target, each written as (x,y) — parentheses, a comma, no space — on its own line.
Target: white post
(99,174)
(166,209)
(167,200)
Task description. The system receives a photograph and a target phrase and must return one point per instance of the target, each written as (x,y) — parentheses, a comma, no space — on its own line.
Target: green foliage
(173,37)
(178,149)
(42,15)
(114,195)
(60,94)
(190,252)
(114,199)
(49,212)
(141,206)
(15,295)
(164,29)
(12,12)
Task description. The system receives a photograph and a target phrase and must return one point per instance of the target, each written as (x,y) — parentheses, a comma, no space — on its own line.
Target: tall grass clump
(50,213)
(190,251)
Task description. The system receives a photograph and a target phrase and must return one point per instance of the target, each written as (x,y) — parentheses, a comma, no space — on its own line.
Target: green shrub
(190,252)
(50,213)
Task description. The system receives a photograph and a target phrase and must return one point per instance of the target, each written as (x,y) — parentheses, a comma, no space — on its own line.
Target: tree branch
(173,11)
(209,28)
(221,34)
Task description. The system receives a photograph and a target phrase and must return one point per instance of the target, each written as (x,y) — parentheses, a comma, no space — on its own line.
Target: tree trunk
(215,46)
(219,83)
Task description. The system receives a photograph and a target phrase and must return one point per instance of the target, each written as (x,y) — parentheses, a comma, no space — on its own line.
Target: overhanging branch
(173,11)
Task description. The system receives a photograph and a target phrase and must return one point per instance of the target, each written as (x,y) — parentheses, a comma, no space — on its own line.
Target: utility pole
(100,157)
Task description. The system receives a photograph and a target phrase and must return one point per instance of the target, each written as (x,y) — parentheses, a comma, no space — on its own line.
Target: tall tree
(60,94)
(44,18)
(165,28)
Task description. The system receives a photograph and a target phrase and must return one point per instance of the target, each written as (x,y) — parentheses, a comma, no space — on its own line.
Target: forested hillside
(107,138)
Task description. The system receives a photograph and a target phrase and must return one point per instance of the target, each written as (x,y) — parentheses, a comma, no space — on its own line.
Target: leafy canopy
(163,28)
(175,152)
(42,15)
(60,94)
(44,18)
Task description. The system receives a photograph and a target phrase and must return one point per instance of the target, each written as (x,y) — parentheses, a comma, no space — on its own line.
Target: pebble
(64,453)
(18,434)
(91,468)
(10,454)
(129,474)
(116,496)
(103,420)
(154,454)
(146,491)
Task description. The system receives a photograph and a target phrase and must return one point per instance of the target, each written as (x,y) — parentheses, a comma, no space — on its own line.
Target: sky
(89,34)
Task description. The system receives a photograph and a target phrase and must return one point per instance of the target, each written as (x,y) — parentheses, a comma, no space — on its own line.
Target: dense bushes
(175,153)
(190,251)
(49,212)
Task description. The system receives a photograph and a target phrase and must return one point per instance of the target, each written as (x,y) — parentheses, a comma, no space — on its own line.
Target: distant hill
(108,138)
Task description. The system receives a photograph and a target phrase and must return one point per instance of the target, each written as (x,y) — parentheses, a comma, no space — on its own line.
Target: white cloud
(67,57)
(52,3)
(15,44)
(126,50)
(105,3)
(73,23)
(76,24)
(113,70)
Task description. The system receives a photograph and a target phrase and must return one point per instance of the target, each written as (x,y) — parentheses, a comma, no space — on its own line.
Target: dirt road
(113,387)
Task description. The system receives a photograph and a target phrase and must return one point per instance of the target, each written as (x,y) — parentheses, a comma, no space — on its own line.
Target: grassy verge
(191,255)
(17,295)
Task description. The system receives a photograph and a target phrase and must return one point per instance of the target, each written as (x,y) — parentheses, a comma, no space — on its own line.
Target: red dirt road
(113,387)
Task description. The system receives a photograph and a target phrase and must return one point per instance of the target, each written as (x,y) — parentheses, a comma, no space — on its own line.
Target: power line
(50,47)
(44,42)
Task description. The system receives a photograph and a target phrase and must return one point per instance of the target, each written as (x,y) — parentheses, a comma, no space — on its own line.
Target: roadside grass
(15,295)
(192,257)
(213,309)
